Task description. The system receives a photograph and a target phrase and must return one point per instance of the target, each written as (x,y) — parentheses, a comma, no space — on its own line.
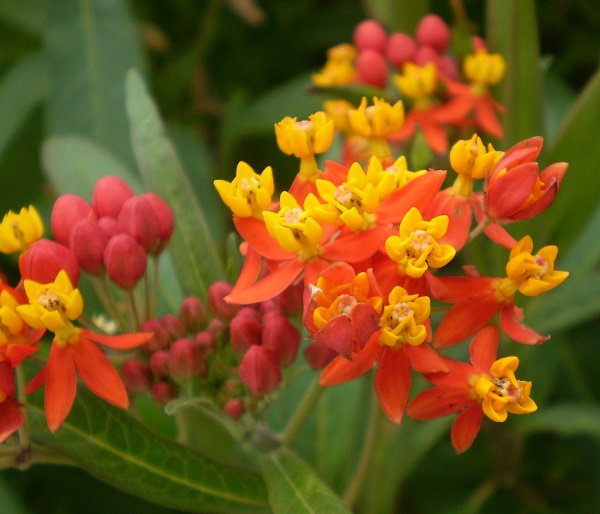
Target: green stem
(107,299)
(133,311)
(478,229)
(480,497)
(368,451)
(154,291)
(307,405)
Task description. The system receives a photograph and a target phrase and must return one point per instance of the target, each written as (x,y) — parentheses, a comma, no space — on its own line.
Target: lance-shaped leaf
(111,445)
(192,248)
(294,487)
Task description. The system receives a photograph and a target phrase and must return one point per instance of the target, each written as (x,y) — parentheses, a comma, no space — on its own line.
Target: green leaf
(192,248)
(30,15)
(398,15)
(111,445)
(512,31)
(566,420)
(22,87)
(294,487)
(91,44)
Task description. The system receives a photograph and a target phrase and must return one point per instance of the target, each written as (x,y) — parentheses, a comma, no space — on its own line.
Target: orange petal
(466,427)
(483,349)
(511,322)
(98,374)
(392,383)
(250,269)
(255,232)
(337,334)
(61,384)
(424,359)
(356,247)
(122,342)
(11,418)
(486,118)
(435,135)
(341,370)
(439,401)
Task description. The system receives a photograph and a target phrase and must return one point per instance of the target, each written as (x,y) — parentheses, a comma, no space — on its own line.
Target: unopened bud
(433,31)
(108,225)
(66,212)
(184,358)
(244,331)
(160,339)
(174,326)
(193,314)
(44,259)
(125,261)
(216,327)
(234,408)
(372,69)
(217,305)
(427,54)
(318,355)
(137,376)
(370,35)
(109,195)
(165,218)
(163,392)
(259,370)
(206,341)
(159,364)
(401,48)
(88,242)
(137,218)
(280,336)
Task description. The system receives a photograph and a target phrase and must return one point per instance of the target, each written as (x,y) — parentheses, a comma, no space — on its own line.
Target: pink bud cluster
(116,233)
(377,50)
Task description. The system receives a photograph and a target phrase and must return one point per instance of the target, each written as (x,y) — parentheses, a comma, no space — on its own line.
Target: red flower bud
(109,195)
(163,392)
(193,314)
(401,48)
(372,68)
(88,242)
(244,331)
(159,364)
(137,376)
(174,326)
(66,212)
(108,225)
(433,31)
(280,336)
(370,35)
(318,355)
(427,54)
(184,358)
(219,307)
(259,370)
(125,261)
(291,299)
(234,408)
(165,218)
(137,219)
(216,327)
(160,339)
(206,341)
(44,259)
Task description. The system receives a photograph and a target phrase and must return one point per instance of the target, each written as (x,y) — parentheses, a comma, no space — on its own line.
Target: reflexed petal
(486,117)
(122,342)
(250,269)
(255,232)
(439,401)
(484,348)
(392,383)
(98,374)
(458,210)
(60,385)
(424,359)
(435,134)
(511,322)
(466,427)
(356,247)
(341,370)
(11,418)
(338,334)
(463,288)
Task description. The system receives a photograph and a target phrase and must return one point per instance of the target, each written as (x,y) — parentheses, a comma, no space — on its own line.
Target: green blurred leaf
(192,248)
(294,487)
(566,420)
(22,87)
(512,31)
(112,446)
(29,15)
(91,44)
(398,15)
(11,503)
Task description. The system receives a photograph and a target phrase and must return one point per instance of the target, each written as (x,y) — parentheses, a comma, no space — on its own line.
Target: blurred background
(223,72)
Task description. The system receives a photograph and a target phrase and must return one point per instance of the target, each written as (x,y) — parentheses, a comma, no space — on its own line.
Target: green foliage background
(221,77)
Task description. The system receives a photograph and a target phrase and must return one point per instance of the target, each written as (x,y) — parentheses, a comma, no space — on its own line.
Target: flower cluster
(424,73)
(366,241)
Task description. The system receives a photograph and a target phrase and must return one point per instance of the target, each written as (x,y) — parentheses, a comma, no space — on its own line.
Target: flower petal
(484,348)
(255,232)
(392,383)
(439,401)
(341,370)
(466,427)
(11,418)
(98,374)
(424,359)
(338,334)
(60,385)
(121,342)
(356,247)
(511,322)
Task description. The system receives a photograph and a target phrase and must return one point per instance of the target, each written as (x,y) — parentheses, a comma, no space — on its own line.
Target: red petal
(301,188)
(486,118)
(494,231)
(11,418)
(466,427)
(392,383)
(365,321)
(250,269)
(542,203)
(424,359)
(525,151)
(484,348)
(335,172)
(510,321)
(458,210)
(255,232)
(456,110)
(435,135)
(341,370)
(269,286)
(463,288)
(464,319)
(418,193)
(439,401)
(98,374)
(356,247)
(61,384)
(339,273)
(507,194)
(15,353)
(122,342)
(338,334)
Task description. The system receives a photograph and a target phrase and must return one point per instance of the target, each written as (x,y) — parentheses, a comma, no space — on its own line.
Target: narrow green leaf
(566,420)
(294,487)
(111,445)
(22,87)
(512,31)
(91,44)
(192,249)
(30,15)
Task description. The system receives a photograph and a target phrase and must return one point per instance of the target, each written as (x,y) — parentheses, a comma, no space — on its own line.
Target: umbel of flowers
(369,241)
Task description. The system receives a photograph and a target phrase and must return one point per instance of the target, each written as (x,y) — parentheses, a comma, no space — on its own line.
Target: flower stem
(133,312)
(307,405)
(108,301)
(478,229)
(364,463)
